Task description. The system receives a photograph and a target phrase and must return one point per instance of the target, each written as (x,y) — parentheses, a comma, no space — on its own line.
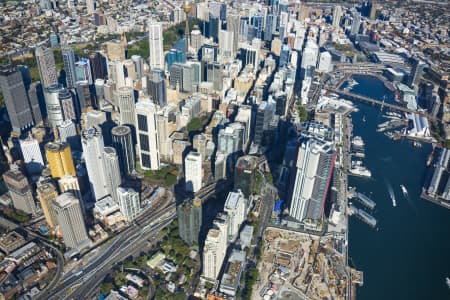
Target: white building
(125,99)
(129,203)
(71,222)
(325,64)
(309,57)
(32,155)
(156,45)
(69,184)
(193,171)
(226,43)
(215,248)
(236,208)
(147,136)
(112,171)
(92,144)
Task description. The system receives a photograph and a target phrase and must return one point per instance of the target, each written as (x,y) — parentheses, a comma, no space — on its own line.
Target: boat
(358,142)
(417,144)
(360,170)
(364,119)
(447,280)
(392,195)
(359,154)
(404,190)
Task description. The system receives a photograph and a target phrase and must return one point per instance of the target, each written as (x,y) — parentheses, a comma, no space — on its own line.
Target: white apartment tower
(155,42)
(70,219)
(32,155)
(147,136)
(236,208)
(215,248)
(129,203)
(193,171)
(92,144)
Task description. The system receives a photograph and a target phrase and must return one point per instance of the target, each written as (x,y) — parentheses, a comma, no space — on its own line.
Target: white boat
(404,190)
(360,171)
(447,280)
(364,119)
(358,142)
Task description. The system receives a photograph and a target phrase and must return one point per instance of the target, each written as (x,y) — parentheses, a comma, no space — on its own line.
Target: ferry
(404,190)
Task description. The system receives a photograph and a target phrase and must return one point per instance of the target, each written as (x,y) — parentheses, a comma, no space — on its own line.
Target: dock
(364,200)
(363,216)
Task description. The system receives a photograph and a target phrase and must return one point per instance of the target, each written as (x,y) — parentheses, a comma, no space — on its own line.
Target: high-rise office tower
(98,65)
(112,171)
(176,76)
(157,87)
(92,143)
(417,69)
(355,24)
(83,70)
(46,194)
(196,39)
(315,163)
(46,66)
(215,248)
(130,69)
(156,45)
(193,171)
(212,29)
(214,74)
(116,72)
(32,155)
(90,6)
(70,184)
(138,65)
(337,15)
(233,26)
(55,115)
(71,222)
(146,132)
(236,209)
(34,93)
(85,97)
(16,100)
(59,158)
(20,191)
(245,174)
(69,65)
(309,57)
(126,103)
(68,134)
(189,215)
(129,203)
(67,106)
(188,77)
(162,132)
(226,43)
(122,141)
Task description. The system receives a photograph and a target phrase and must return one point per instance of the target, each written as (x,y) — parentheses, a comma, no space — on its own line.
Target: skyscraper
(46,66)
(156,45)
(236,209)
(193,171)
(157,87)
(32,155)
(60,161)
(92,143)
(70,184)
(129,203)
(68,134)
(20,191)
(69,64)
(13,90)
(98,65)
(215,248)
(83,70)
(355,24)
(112,171)
(46,194)
(147,138)
(71,222)
(315,163)
(55,115)
(337,15)
(67,106)
(233,26)
(189,215)
(245,174)
(417,69)
(126,106)
(226,43)
(123,143)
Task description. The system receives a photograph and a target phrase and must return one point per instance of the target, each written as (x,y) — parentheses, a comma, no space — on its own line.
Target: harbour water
(408,255)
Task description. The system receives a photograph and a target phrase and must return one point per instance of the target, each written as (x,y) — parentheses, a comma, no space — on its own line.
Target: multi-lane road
(126,243)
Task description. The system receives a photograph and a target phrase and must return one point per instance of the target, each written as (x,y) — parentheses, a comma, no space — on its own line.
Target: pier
(364,200)
(363,216)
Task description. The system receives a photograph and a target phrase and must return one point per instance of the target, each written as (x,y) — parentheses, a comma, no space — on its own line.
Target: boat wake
(391,193)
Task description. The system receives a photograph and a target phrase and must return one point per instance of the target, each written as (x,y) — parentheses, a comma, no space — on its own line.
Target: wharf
(364,200)
(363,216)
(435,200)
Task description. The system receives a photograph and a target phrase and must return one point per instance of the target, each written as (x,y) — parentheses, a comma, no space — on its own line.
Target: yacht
(404,190)
(357,141)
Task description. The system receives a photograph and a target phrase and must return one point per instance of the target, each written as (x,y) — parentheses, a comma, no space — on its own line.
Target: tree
(302,113)
(194,124)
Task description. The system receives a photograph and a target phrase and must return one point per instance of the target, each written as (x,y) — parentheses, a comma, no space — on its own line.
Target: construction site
(297,265)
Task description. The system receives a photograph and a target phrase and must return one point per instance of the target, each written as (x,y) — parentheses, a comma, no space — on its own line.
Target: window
(143,141)
(142,123)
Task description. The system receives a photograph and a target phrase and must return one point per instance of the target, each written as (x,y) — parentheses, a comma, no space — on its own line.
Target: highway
(126,243)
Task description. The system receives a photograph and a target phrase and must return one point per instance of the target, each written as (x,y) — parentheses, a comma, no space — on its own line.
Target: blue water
(408,256)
